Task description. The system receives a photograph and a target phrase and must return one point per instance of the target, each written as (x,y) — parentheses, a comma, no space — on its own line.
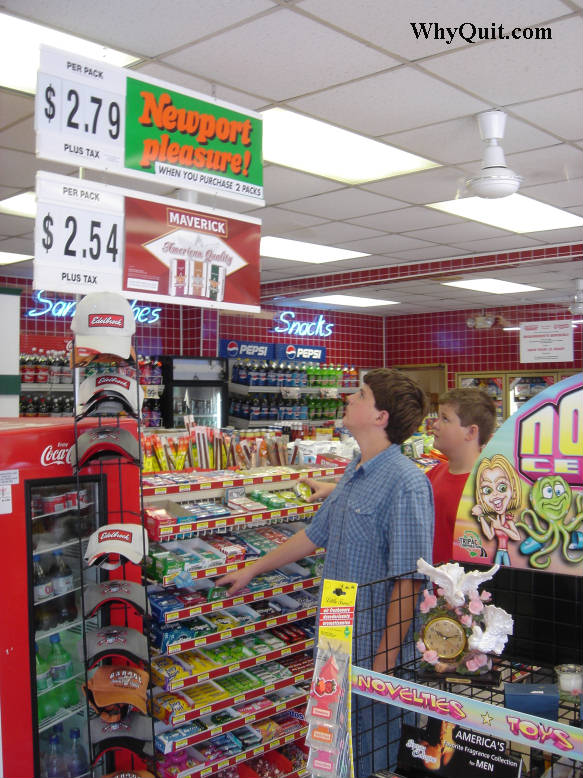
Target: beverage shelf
(236,421)
(243,664)
(45,387)
(210,572)
(245,389)
(235,632)
(277,707)
(61,715)
(41,549)
(194,713)
(61,683)
(239,599)
(213,767)
(61,512)
(200,483)
(158,530)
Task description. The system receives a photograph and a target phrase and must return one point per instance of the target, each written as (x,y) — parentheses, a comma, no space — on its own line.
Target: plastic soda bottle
(55,766)
(77,761)
(60,660)
(61,574)
(44,679)
(43,586)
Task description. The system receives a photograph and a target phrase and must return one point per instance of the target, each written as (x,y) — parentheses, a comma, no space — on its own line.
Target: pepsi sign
(285,322)
(236,349)
(290,352)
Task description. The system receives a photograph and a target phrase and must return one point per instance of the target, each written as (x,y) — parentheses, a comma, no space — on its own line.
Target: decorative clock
(459,630)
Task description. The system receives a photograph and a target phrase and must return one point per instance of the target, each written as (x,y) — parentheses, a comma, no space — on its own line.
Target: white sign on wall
(546,341)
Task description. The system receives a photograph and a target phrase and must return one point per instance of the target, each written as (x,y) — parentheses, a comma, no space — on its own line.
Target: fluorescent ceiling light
(298,251)
(7,258)
(20,205)
(20,52)
(346,299)
(515,213)
(299,142)
(492,286)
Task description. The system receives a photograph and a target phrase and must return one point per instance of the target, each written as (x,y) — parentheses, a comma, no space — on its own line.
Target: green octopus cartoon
(550,498)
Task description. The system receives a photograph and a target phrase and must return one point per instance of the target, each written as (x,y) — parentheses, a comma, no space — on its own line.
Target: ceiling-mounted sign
(99,116)
(90,237)
(286,322)
(233,349)
(546,341)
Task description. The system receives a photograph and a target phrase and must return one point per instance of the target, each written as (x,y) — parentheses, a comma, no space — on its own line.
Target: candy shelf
(194,713)
(249,718)
(243,664)
(203,484)
(213,767)
(234,632)
(210,572)
(239,599)
(159,531)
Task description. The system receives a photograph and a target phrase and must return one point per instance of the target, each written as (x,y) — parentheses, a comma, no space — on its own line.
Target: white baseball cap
(127,540)
(101,387)
(104,322)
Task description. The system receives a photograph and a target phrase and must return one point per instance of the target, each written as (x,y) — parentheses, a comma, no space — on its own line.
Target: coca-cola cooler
(47,514)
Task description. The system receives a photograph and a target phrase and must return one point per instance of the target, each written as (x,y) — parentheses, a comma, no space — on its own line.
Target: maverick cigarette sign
(102,117)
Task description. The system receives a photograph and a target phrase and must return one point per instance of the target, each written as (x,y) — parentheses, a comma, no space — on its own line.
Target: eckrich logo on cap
(112,380)
(105,320)
(115,534)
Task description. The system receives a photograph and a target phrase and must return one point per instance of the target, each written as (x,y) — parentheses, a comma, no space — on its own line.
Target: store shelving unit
(46,387)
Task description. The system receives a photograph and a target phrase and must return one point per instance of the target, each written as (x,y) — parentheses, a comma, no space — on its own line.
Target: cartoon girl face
(495,490)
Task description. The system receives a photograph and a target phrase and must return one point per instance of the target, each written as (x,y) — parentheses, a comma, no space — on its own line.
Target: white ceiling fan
(495,178)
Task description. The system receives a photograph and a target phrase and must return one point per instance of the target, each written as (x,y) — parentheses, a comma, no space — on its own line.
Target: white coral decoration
(499,625)
(454,580)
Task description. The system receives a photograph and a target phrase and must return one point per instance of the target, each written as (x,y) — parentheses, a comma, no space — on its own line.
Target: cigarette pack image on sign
(104,322)
(115,641)
(98,389)
(127,540)
(104,593)
(132,733)
(104,443)
(114,684)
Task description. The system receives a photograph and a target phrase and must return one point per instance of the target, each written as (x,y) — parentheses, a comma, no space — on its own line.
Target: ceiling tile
(388,24)
(563,194)
(150,33)
(568,235)
(16,225)
(453,233)
(308,56)
(332,233)
(537,68)
(562,115)
(490,245)
(459,140)
(282,184)
(413,218)
(20,136)
(430,186)
(344,203)
(431,252)
(399,108)
(277,220)
(542,166)
(14,107)
(385,244)
(18,245)
(188,81)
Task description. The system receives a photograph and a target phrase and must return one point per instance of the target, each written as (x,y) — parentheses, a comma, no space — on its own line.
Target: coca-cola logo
(115,534)
(104,380)
(56,455)
(106,320)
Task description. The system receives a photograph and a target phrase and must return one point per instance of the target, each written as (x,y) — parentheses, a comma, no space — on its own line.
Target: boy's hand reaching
(237,580)
(320,489)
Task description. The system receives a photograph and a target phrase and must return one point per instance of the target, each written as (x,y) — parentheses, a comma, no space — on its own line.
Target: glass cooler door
(58,539)
(205,403)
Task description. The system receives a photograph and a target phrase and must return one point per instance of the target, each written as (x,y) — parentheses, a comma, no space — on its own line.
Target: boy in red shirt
(465,423)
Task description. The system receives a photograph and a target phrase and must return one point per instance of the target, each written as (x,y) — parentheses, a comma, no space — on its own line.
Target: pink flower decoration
(476,606)
(429,602)
(441,592)
(430,657)
(482,659)
(420,646)
(458,611)
(472,665)
(485,596)
(466,620)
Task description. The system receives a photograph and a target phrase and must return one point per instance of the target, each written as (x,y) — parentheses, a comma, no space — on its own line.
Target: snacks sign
(103,117)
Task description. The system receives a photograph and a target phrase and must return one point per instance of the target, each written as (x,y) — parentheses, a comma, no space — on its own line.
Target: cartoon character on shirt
(498,492)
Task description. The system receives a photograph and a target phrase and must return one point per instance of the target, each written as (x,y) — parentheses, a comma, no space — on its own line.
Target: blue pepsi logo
(290,352)
(232,348)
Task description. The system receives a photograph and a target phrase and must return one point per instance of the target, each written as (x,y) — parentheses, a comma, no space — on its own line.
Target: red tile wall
(433,338)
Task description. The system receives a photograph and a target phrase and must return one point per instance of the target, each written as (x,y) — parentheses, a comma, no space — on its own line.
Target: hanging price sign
(99,116)
(79,236)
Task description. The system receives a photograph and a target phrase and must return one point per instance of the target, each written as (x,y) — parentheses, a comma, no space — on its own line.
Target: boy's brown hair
(401,397)
(473,406)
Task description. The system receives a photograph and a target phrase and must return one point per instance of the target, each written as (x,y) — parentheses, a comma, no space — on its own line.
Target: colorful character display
(497,493)
(546,525)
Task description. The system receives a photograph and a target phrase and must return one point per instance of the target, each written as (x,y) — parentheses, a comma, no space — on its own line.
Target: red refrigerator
(46,516)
